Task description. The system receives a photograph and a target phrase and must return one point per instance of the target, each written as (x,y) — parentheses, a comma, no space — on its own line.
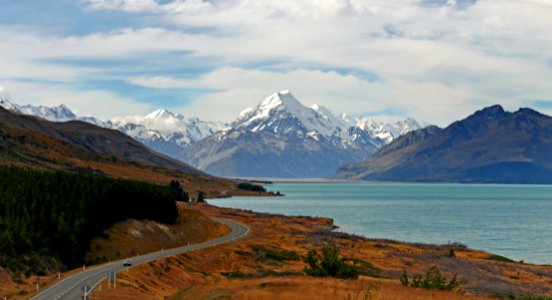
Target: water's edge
(509,220)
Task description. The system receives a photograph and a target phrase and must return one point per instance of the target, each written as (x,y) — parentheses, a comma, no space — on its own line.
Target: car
(127,263)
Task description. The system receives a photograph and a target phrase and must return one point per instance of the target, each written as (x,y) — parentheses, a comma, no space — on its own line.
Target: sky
(434,60)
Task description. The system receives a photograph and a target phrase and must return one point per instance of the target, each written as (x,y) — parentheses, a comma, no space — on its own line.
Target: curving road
(70,288)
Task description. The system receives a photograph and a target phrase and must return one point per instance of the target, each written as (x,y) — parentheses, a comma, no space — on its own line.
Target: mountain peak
(281,101)
(492,112)
(160,113)
(282,98)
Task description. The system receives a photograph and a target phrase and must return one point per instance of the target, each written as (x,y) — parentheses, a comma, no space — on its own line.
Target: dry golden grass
(313,288)
(139,237)
(198,275)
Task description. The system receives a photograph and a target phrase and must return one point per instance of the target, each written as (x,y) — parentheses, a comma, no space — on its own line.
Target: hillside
(491,145)
(84,148)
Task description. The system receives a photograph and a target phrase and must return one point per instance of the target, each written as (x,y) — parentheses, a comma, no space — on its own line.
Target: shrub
(274,254)
(329,264)
(431,280)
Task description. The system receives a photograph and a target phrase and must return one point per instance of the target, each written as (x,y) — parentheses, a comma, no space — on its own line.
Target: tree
(176,189)
(200,196)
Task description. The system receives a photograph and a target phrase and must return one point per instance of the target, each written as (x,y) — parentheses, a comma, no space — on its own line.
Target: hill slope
(491,145)
(28,139)
(85,148)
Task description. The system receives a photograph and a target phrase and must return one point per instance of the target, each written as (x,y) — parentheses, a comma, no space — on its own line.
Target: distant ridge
(490,146)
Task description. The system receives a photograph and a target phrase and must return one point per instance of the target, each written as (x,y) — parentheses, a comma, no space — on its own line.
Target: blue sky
(434,60)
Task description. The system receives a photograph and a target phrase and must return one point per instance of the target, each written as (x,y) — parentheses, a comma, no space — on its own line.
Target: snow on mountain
(270,113)
(168,126)
(5,103)
(162,130)
(58,113)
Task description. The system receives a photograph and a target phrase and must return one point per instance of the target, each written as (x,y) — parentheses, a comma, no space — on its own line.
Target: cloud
(151,6)
(434,97)
(98,103)
(435,60)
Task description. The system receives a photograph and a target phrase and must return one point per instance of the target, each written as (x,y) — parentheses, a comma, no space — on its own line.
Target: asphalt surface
(70,288)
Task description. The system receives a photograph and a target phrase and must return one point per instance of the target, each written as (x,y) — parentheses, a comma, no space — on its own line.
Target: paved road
(70,287)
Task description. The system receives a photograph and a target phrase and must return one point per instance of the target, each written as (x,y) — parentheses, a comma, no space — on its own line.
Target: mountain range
(492,145)
(282,138)
(278,138)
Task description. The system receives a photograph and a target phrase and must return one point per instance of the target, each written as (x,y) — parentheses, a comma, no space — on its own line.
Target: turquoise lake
(510,220)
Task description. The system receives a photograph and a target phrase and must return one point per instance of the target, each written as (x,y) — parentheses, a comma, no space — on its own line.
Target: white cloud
(101,104)
(437,96)
(125,5)
(433,62)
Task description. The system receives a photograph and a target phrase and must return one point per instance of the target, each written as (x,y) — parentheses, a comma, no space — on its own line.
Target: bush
(329,264)
(431,280)
(273,254)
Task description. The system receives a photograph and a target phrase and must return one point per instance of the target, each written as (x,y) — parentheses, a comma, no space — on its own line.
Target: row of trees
(56,214)
(181,195)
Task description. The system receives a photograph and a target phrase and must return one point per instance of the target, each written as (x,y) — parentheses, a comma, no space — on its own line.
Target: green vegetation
(51,217)
(364,268)
(261,253)
(500,258)
(273,254)
(251,187)
(431,280)
(329,264)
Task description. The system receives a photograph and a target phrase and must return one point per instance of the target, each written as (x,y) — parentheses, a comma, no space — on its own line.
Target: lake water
(511,220)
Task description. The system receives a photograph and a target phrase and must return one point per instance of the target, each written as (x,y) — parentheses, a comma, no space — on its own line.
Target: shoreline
(517,253)
(335,230)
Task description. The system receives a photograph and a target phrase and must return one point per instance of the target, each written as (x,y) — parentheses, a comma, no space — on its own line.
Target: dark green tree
(200,196)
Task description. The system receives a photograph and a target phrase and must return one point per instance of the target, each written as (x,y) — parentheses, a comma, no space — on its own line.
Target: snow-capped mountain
(166,132)
(57,114)
(280,137)
(283,138)
(161,130)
